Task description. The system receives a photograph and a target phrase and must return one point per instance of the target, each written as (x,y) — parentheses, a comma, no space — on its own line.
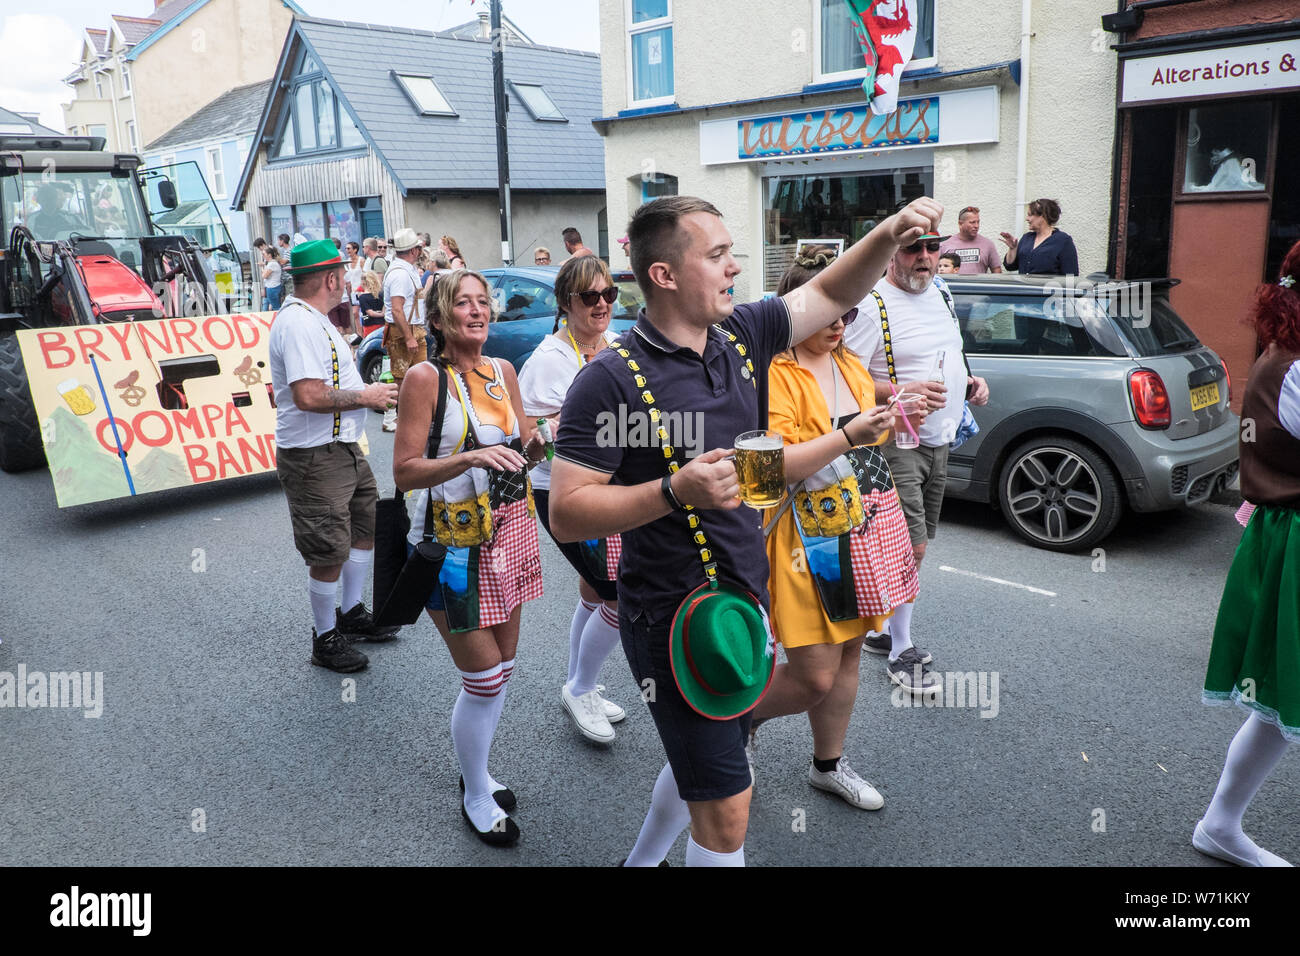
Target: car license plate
(1205,396)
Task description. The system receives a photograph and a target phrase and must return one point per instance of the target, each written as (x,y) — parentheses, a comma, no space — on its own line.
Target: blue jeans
(271,302)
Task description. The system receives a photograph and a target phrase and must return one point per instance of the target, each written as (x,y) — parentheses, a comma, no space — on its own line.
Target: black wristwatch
(666,487)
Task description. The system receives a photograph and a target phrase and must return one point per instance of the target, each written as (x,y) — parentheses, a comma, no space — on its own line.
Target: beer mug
(760,467)
(79,398)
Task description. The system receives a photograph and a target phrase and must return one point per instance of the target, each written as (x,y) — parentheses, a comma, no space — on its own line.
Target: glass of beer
(760,466)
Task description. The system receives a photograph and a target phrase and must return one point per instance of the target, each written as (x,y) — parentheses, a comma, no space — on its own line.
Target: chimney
(485,25)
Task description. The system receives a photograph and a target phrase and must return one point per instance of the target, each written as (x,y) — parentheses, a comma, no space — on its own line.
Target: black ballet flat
(505,797)
(507,836)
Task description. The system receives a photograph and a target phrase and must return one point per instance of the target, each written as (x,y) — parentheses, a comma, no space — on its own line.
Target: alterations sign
(1224,71)
(134,407)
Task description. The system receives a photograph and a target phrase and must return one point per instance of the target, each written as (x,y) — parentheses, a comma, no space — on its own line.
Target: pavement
(220,744)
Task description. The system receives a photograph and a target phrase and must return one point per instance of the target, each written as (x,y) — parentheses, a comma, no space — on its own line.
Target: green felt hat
(314,256)
(721,651)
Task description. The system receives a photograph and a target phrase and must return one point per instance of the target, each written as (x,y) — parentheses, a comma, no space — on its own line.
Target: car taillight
(1150,399)
(1227,378)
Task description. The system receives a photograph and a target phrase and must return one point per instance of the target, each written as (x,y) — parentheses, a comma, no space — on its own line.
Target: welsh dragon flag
(887,33)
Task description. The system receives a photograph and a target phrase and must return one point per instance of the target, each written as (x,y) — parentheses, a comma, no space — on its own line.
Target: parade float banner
(133,407)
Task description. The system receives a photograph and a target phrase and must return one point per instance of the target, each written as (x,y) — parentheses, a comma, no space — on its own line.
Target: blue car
(524,298)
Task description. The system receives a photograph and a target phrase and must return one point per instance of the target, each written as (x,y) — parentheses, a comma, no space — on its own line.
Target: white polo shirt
(300,349)
(919,325)
(402,279)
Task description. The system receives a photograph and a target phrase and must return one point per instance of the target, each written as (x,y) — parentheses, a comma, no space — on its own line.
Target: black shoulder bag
(400,595)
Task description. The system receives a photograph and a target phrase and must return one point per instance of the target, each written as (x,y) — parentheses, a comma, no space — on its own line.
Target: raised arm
(851,277)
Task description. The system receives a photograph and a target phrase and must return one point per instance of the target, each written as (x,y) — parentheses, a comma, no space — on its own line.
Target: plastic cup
(911,405)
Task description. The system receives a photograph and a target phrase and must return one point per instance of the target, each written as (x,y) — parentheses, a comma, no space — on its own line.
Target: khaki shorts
(920,475)
(399,357)
(332,496)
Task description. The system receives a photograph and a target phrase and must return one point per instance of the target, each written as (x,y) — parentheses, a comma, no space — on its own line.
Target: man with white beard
(916,311)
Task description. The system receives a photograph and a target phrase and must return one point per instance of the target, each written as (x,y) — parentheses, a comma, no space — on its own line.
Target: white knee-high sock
(1252,755)
(581,614)
(697,855)
(900,630)
(473,723)
(598,639)
(667,818)
(323,594)
(355,569)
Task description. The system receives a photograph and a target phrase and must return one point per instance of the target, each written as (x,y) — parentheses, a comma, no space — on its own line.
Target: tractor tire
(20,435)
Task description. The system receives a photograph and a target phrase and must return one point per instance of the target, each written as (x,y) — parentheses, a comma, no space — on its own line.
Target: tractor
(93,238)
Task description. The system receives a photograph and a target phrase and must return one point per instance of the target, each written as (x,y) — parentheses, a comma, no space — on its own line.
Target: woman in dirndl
(838,548)
(1255,656)
(585,295)
(476,484)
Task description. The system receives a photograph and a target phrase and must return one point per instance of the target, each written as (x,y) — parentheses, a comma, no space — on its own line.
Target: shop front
(1208,189)
(830,174)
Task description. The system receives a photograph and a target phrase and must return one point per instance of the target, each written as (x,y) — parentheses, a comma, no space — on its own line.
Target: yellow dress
(797,409)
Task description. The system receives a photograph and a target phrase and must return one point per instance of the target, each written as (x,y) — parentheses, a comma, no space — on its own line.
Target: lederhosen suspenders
(334,365)
(885,334)
(647,397)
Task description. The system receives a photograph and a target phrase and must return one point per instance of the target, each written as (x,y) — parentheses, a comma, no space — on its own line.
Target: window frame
(339,112)
(559,118)
(99,85)
(400,79)
(645,26)
(861,73)
(131,139)
(126,79)
(216,170)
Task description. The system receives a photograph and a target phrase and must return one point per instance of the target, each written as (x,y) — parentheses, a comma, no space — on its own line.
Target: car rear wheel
(1059,494)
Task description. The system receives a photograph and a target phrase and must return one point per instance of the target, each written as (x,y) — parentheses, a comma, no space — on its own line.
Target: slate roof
(10,118)
(101,40)
(471,28)
(135,29)
(233,113)
(439,152)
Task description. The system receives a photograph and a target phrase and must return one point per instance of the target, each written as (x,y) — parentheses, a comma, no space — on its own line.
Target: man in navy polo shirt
(681,255)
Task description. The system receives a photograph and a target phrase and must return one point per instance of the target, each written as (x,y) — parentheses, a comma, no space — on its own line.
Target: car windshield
(61,204)
(1149,322)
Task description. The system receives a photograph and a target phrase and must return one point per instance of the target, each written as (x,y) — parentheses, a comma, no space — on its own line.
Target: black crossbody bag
(406,592)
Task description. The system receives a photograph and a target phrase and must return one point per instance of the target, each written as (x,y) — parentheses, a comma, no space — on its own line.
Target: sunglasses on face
(930,245)
(591,296)
(850,316)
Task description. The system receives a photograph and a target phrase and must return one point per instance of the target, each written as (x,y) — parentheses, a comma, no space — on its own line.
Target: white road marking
(1010,584)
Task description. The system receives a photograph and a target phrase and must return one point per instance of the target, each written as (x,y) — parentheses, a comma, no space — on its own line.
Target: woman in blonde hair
(370,302)
(447,246)
(846,530)
(475,501)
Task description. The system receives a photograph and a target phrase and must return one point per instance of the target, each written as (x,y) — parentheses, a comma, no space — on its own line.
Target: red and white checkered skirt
(884,568)
(613,551)
(510,565)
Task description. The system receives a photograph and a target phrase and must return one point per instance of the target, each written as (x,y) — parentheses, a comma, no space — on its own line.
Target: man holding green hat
(319,420)
(692,584)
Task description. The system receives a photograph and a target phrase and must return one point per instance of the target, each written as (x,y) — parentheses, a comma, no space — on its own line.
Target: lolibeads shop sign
(1225,71)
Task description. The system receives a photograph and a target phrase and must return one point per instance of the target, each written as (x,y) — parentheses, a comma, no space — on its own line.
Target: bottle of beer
(936,370)
(386,371)
(544,428)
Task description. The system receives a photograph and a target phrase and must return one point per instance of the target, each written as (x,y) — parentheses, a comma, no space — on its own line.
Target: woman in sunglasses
(585,294)
(823,402)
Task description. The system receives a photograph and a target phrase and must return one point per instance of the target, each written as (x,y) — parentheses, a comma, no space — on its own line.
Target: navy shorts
(707,756)
(607,590)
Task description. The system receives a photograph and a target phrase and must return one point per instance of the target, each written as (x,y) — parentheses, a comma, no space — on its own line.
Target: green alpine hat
(721,651)
(314,256)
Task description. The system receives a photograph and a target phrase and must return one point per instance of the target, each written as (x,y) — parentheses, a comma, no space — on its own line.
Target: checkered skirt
(884,569)
(510,565)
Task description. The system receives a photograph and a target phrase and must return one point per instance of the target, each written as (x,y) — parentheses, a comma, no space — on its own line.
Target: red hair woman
(1255,657)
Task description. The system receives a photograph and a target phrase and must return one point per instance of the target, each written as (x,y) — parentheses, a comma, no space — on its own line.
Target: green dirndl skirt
(1255,657)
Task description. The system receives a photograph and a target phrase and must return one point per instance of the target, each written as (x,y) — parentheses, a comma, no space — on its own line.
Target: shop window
(839,55)
(650,52)
(658,184)
(802,208)
(1150,196)
(1226,148)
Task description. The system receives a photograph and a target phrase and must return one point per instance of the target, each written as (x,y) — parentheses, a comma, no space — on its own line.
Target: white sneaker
(847,785)
(588,712)
(613,712)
